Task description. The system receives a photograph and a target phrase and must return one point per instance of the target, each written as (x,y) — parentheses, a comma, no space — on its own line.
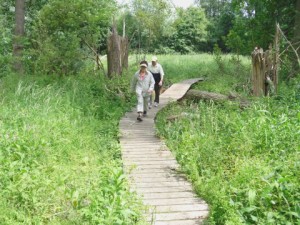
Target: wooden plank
(172,201)
(175,166)
(171,162)
(163,184)
(182,208)
(150,155)
(180,215)
(178,222)
(143,157)
(157,179)
(163,189)
(180,194)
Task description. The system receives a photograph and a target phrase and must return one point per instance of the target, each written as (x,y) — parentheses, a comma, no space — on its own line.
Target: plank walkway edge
(153,171)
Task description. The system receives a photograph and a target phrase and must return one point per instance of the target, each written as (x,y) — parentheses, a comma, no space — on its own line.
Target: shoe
(155,104)
(149,105)
(139,118)
(145,113)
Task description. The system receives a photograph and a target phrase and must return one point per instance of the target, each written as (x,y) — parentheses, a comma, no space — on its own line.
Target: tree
(190,30)
(147,19)
(297,34)
(7,20)
(255,20)
(19,34)
(67,32)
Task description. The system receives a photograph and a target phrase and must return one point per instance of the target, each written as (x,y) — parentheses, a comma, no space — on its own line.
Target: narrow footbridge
(153,171)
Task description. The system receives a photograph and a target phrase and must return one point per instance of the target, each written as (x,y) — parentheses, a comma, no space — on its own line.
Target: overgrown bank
(244,163)
(60,159)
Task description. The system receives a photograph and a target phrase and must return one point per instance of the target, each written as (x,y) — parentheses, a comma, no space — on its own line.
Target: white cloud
(183,3)
(177,3)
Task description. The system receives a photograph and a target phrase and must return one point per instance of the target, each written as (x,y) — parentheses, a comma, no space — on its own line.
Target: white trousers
(142,102)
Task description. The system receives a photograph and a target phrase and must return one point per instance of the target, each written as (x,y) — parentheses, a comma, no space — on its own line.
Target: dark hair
(144,62)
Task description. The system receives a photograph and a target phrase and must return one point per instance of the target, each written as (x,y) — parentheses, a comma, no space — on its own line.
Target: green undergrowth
(59,153)
(244,163)
(223,75)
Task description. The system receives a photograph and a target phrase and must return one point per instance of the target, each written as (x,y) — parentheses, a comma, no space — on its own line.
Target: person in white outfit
(143,84)
(158,74)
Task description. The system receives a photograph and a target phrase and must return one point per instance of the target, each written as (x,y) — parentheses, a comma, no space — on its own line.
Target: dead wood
(216,97)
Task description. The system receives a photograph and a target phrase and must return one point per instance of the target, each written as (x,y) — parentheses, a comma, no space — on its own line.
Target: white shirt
(156,69)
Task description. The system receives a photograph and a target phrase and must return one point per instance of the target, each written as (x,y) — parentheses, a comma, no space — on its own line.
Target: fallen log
(216,97)
(205,95)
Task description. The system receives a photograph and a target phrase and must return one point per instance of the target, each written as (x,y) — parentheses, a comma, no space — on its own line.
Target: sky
(183,3)
(178,3)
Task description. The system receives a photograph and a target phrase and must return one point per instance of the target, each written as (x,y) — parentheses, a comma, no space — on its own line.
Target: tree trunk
(216,97)
(124,52)
(205,95)
(297,33)
(114,54)
(19,34)
(297,24)
(258,72)
(117,53)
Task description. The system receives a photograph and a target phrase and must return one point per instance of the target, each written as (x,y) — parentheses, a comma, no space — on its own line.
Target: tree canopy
(59,34)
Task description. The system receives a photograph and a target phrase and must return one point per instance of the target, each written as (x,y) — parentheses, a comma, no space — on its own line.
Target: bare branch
(291,45)
(98,60)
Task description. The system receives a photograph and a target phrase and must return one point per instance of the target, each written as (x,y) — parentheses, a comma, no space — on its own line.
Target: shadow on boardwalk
(155,175)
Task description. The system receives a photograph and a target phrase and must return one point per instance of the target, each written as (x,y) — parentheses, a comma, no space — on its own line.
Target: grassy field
(60,161)
(60,157)
(244,163)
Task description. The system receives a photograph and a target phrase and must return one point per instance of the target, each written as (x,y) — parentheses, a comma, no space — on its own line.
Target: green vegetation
(244,163)
(59,155)
(60,159)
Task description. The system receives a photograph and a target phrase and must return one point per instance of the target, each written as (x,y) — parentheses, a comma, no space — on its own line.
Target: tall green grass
(223,75)
(59,153)
(244,163)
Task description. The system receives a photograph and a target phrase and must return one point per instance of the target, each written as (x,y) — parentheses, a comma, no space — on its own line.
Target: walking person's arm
(152,83)
(162,74)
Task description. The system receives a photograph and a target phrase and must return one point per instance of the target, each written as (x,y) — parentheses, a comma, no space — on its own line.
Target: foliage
(190,29)
(255,21)
(5,46)
(142,22)
(63,30)
(218,57)
(221,17)
(60,158)
(245,164)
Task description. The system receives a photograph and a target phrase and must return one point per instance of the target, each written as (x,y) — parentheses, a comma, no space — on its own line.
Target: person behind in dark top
(158,74)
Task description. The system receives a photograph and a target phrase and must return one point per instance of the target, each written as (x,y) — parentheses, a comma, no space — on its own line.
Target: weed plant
(59,152)
(244,163)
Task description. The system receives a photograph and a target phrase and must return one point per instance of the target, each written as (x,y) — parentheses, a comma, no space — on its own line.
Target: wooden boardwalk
(153,170)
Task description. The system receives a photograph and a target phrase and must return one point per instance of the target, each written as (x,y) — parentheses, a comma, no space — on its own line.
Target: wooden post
(117,53)
(258,72)
(124,52)
(114,54)
(276,58)
(265,66)
(19,34)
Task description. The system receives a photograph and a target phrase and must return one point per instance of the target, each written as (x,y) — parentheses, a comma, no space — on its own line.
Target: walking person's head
(143,65)
(154,60)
